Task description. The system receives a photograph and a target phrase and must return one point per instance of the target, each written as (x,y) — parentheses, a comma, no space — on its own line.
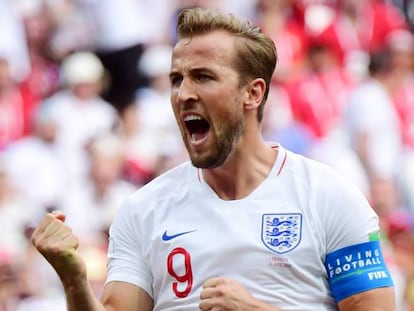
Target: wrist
(74,282)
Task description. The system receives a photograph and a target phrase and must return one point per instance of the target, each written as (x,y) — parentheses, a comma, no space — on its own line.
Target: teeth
(192,117)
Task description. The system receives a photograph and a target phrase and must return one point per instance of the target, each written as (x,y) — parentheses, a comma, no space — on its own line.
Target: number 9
(187,277)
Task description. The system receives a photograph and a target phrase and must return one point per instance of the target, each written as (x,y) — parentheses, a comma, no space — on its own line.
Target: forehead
(206,50)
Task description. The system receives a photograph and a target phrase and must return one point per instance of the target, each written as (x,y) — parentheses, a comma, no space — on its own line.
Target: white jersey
(175,233)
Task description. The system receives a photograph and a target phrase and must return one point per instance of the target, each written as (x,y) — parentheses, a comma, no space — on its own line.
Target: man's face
(206,97)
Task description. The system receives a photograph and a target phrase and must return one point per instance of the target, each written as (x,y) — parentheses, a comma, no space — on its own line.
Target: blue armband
(357,268)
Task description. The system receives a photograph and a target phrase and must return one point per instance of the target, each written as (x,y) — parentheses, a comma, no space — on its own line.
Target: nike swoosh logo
(166,237)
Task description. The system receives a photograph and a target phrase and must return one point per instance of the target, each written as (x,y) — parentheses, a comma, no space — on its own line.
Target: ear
(255,92)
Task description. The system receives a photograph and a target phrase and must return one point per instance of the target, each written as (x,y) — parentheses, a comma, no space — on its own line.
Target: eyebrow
(201,70)
(174,74)
(192,71)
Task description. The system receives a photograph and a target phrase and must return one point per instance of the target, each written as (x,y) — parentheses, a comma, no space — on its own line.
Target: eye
(175,80)
(203,77)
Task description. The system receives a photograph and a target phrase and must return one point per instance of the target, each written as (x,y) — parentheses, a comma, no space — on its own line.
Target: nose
(186,91)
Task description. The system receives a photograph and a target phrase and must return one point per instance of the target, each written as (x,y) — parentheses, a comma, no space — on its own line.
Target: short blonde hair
(256,55)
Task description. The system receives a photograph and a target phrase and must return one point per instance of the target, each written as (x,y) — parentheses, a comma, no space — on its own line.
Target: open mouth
(197,127)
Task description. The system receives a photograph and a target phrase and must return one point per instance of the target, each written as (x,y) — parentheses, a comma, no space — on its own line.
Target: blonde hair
(256,55)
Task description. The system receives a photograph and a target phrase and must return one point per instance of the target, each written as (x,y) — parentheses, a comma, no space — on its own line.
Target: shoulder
(301,164)
(149,204)
(318,179)
(167,186)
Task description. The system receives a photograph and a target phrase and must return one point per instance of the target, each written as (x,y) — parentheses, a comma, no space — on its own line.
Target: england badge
(281,232)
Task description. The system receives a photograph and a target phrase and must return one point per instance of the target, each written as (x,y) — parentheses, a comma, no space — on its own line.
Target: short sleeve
(126,262)
(349,219)
(354,260)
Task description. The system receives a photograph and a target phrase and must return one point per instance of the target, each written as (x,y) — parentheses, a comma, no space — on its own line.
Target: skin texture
(196,81)
(204,83)
(234,159)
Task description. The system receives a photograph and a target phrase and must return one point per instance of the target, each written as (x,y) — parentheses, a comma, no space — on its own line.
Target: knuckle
(37,242)
(33,239)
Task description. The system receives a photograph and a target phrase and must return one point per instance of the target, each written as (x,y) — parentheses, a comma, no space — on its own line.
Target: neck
(245,169)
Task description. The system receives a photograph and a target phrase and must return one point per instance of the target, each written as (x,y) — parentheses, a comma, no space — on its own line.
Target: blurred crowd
(85,117)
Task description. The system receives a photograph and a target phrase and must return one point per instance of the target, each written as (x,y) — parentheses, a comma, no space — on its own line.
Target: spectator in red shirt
(14,103)
(359,28)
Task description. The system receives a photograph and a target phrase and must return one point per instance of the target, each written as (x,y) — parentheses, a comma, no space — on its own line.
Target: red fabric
(30,104)
(404,104)
(12,117)
(376,21)
(42,82)
(43,79)
(136,173)
(291,43)
(317,100)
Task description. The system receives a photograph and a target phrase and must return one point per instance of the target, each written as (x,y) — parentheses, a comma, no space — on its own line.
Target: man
(248,226)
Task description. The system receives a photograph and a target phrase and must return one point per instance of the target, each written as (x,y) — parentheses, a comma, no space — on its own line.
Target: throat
(237,179)
(232,186)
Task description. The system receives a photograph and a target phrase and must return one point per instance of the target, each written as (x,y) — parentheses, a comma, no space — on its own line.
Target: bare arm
(56,242)
(116,296)
(378,299)
(123,296)
(79,296)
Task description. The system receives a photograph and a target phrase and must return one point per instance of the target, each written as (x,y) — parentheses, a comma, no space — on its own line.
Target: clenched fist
(56,242)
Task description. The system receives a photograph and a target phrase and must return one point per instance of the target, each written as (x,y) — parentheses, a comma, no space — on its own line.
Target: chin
(199,164)
(207,162)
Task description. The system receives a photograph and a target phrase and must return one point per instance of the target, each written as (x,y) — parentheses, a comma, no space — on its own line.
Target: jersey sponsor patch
(357,268)
(281,233)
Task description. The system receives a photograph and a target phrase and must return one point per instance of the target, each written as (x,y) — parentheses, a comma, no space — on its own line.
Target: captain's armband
(357,268)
